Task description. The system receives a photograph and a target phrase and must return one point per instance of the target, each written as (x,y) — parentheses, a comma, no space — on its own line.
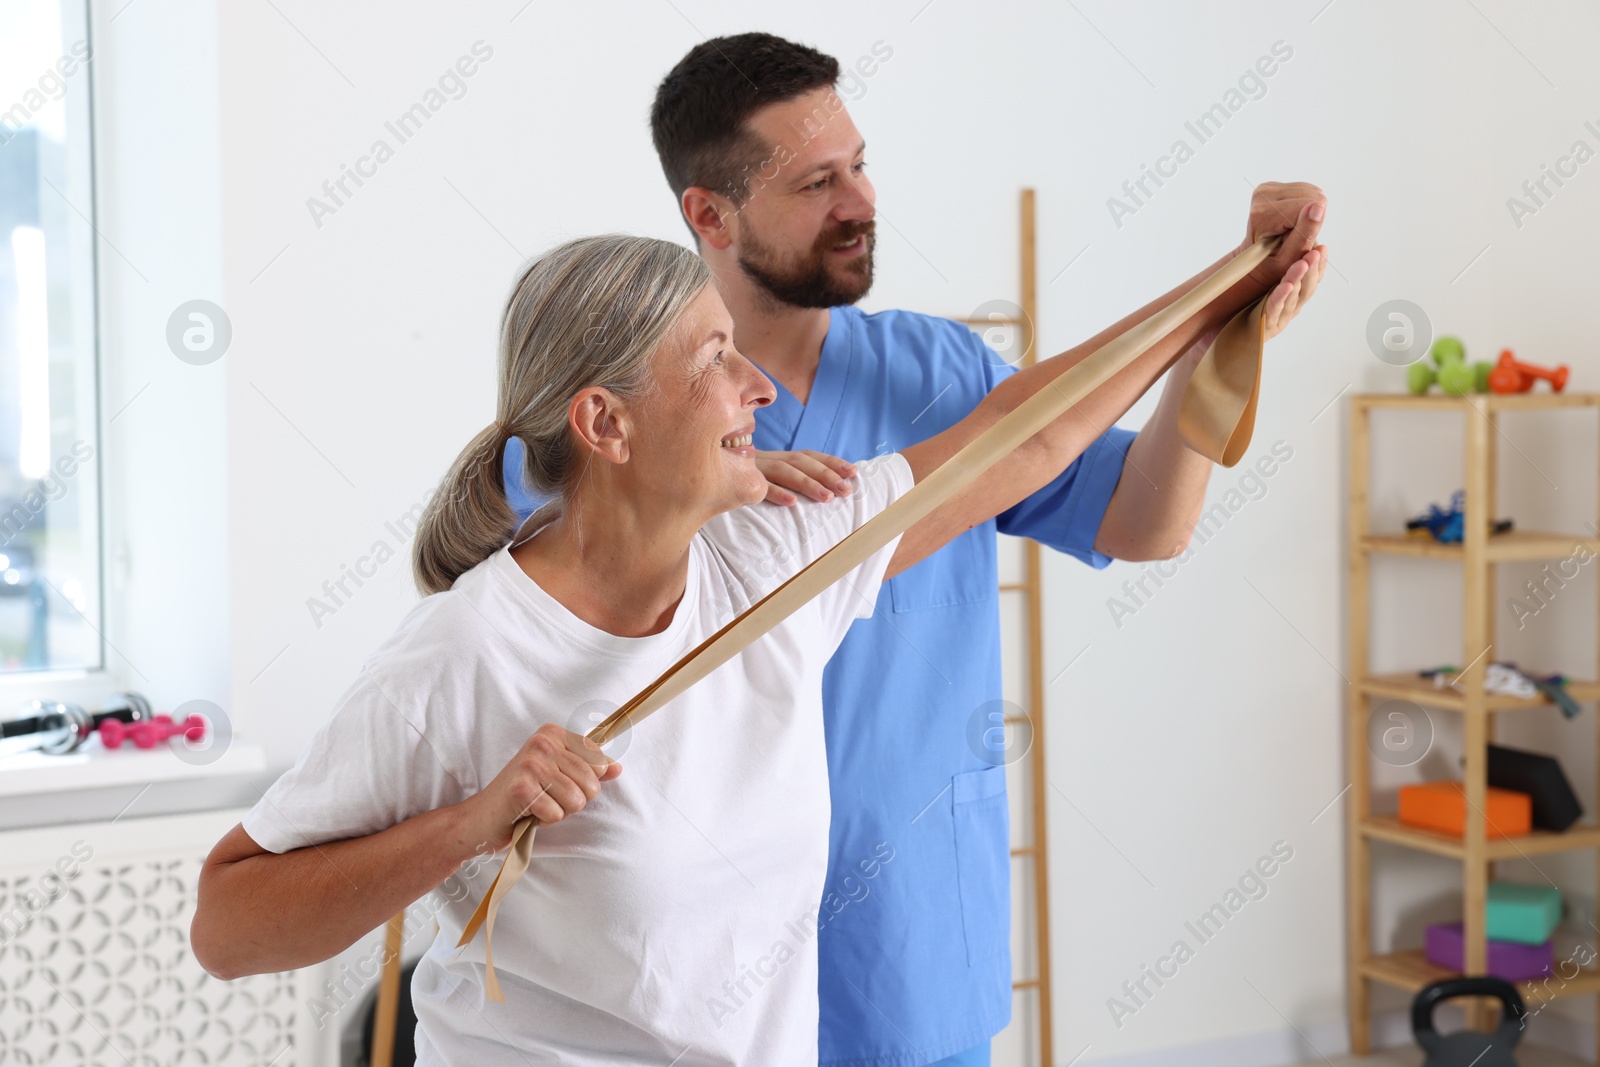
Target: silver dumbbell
(56,728)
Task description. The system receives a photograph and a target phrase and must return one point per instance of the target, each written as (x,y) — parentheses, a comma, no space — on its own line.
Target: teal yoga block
(1525,913)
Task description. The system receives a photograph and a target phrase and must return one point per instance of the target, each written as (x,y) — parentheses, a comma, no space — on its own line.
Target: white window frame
(156,162)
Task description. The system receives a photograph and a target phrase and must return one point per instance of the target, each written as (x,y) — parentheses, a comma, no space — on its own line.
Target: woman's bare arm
(264,911)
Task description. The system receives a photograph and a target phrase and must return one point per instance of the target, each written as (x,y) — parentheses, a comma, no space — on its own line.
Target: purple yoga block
(1446,947)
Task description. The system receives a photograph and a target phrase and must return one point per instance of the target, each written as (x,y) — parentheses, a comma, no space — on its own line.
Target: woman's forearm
(1070,435)
(1045,455)
(261,911)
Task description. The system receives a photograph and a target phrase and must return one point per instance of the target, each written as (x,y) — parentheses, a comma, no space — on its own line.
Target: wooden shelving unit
(1477,555)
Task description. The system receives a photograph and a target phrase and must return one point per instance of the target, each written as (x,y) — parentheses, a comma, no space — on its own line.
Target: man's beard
(805,281)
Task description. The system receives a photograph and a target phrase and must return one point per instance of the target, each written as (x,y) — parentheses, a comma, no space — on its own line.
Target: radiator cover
(95,966)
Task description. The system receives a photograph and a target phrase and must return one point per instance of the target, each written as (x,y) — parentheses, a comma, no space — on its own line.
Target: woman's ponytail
(468,519)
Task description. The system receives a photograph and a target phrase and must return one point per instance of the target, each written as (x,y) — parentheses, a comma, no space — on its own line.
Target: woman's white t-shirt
(673,920)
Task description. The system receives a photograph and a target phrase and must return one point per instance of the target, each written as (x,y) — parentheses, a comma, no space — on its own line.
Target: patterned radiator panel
(95,968)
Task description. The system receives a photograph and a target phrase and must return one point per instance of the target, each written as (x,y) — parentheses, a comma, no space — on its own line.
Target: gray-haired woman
(674,921)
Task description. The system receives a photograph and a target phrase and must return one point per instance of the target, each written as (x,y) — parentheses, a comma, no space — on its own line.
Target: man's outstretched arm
(1053,449)
(1153,511)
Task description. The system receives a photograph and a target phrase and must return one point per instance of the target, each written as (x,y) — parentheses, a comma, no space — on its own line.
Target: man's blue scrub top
(914,949)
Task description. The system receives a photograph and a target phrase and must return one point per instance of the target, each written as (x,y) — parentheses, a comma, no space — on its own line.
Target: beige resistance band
(1215,419)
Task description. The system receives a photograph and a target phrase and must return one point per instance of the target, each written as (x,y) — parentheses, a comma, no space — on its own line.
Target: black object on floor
(405,1024)
(1468,1048)
(1555,805)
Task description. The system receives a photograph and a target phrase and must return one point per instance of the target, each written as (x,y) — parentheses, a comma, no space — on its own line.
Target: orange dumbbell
(1510,376)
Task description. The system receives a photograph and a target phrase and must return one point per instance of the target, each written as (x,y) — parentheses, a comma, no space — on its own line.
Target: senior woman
(673,921)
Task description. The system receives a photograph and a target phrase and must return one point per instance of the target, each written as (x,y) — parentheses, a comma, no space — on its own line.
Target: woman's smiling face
(695,428)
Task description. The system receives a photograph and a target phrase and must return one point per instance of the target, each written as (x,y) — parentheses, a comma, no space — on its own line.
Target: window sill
(97,767)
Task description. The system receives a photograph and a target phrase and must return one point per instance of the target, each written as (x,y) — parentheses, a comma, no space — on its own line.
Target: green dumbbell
(1450,370)
(1457,378)
(1447,349)
(1420,377)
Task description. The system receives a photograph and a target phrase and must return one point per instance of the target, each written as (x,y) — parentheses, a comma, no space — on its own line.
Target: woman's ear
(596,415)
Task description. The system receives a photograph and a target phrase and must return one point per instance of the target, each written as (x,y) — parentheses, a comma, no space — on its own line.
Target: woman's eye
(859,167)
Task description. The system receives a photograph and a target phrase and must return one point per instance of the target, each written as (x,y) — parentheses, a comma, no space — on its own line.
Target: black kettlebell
(1468,1048)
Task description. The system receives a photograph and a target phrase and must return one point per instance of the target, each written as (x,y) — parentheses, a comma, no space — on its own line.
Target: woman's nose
(758,390)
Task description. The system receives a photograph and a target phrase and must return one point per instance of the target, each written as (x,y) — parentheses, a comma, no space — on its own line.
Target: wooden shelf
(1539,400)
(1539,842)
(1503,548)
(1421,690)
(1478,418)
(1410,970)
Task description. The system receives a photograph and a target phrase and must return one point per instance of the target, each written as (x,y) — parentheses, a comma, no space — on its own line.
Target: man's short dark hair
(701,107)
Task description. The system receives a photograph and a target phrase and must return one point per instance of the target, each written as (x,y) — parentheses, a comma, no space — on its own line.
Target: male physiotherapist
(769,172)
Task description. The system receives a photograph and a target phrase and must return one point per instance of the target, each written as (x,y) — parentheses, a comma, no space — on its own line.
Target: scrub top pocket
(983,861)
(964,571)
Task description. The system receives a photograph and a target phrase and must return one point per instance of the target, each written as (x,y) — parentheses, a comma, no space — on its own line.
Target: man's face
(806,233)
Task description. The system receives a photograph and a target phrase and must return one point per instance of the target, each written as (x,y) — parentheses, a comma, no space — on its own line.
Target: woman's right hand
(553,775)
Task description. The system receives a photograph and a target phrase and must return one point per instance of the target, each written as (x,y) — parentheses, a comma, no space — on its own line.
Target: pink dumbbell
(151,732)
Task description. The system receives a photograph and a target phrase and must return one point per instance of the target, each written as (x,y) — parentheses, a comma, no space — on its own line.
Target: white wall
(1206,727)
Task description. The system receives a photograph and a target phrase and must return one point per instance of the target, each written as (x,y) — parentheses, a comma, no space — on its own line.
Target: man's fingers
(811,477)
(1291,294)
(1314,278)
(786,474)
(842,467)
(1275,299)
(1274,313)
(813,474)
(1281,301)
(1297,244)
(777,494)
(817,466)
(1291,306)
(806,484)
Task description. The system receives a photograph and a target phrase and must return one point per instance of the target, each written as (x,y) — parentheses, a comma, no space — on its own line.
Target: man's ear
(711,215)
(597,416)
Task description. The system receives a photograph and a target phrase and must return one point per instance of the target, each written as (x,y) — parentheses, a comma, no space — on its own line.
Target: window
(50,587)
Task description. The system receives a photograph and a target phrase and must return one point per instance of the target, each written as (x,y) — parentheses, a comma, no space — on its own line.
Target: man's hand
(1295,209)
(816,474)
(1289,295)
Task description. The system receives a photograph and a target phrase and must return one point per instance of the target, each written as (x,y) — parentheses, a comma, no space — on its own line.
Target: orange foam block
(1442,806)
